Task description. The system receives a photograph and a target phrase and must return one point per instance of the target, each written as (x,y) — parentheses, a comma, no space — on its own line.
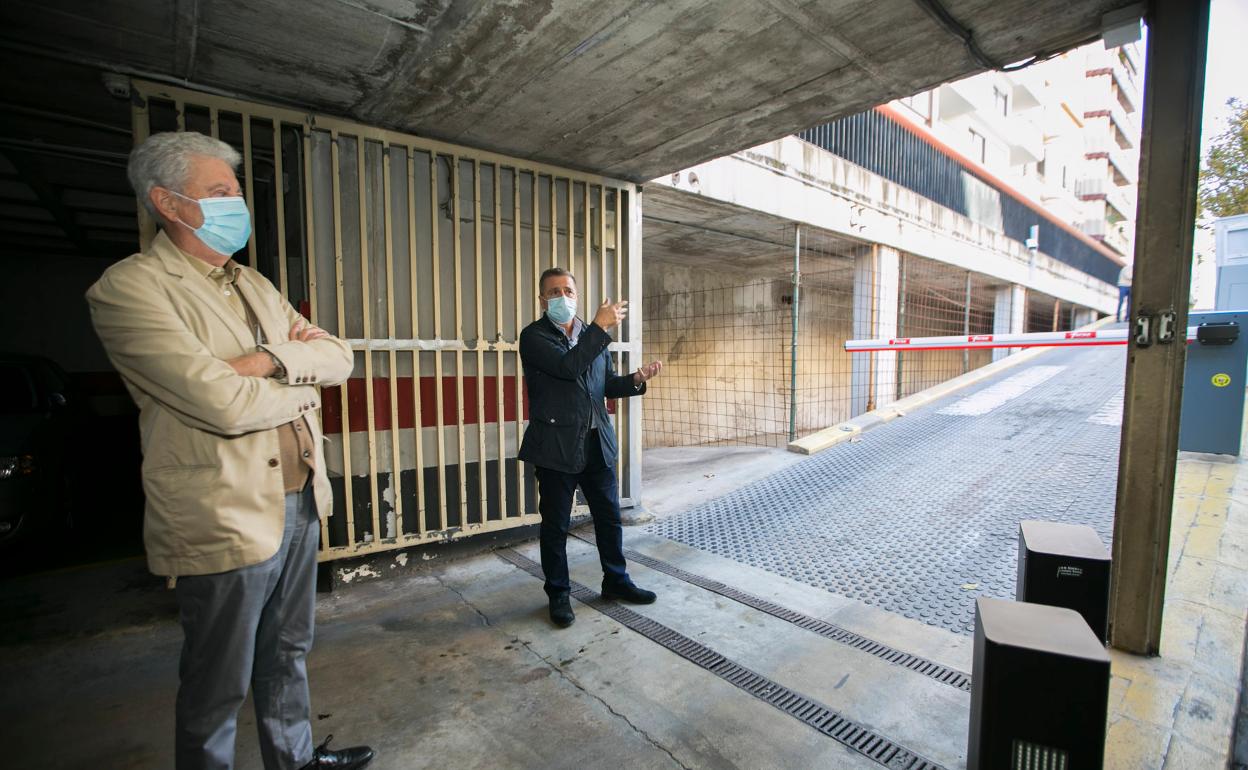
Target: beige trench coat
(211,474)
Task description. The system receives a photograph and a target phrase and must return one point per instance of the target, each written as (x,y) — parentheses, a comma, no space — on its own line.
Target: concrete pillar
(873,378)
(1169,160)
(1084,316)
(1008,316)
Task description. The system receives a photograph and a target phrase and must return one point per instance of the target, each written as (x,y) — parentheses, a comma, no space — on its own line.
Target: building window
(921,105)
(979,146)
(1000,101)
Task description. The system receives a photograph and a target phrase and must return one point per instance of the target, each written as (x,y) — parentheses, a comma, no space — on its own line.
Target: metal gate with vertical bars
(424,256)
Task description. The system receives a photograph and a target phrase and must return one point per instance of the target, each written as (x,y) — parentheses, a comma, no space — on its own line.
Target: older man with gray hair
(225,374)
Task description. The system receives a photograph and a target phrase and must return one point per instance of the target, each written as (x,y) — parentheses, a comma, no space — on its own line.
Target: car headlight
(19,465)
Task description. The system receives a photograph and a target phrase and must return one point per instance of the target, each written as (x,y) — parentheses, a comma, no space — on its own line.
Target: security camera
(118,85)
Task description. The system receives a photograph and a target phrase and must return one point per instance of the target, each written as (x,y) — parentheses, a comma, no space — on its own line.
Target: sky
(1226,68)
(1226,75)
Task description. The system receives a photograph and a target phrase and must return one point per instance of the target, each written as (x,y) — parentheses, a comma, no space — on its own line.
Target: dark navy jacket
(565,384)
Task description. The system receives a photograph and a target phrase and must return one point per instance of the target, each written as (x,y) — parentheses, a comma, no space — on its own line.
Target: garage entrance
(424,255)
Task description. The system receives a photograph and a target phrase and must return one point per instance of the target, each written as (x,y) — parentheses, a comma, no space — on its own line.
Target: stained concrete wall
(723,337)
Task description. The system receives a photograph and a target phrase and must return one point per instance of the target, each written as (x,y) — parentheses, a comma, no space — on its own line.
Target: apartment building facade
(1001,203)
(1064,132)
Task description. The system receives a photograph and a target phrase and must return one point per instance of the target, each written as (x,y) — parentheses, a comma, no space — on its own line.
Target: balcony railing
(1126,165)
(1026,141)
(918,162)
(1126,127)
(1127,90)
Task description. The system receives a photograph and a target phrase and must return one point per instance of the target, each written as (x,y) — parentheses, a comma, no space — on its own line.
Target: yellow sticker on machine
(1220,380)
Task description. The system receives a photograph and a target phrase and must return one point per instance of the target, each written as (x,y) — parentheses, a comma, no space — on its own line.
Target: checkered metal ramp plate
(921,515)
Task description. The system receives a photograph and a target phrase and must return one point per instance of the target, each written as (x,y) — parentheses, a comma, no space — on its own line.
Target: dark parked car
(37,420)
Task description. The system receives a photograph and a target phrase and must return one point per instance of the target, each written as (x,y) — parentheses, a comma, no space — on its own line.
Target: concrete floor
(457,666)
(454,664)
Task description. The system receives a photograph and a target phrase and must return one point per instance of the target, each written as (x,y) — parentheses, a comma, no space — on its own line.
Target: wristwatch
(280,374)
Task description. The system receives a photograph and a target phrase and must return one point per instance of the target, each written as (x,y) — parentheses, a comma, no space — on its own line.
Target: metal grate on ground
(921,515)
(931,669)
(843,730)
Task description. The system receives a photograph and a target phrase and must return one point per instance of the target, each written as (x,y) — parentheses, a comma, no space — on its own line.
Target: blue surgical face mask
(227,223)
(561,310)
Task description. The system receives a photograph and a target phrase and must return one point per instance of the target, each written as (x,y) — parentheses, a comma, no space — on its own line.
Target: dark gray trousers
(250,626)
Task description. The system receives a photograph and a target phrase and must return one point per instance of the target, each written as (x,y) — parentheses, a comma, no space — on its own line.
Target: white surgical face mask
(561,310)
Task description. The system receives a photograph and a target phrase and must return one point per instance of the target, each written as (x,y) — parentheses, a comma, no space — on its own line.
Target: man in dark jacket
(570,441)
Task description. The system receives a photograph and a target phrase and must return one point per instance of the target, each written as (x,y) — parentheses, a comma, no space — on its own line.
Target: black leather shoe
(629,593)
(343,759)
(561,611)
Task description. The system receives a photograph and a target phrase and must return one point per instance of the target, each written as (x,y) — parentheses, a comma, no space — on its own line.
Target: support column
(873,378)
(1008,316)
(1169,160)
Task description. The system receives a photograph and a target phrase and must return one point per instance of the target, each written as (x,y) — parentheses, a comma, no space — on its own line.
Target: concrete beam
(633,89)
(1169,162)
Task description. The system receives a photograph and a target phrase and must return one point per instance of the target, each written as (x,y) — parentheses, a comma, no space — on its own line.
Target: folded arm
(325,360)
(151,346)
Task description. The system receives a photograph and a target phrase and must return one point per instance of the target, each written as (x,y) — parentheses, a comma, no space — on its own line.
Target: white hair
(164,160)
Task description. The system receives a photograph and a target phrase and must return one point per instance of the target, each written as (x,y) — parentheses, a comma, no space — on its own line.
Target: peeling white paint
(428,556)
(362,571)
(387,494)
(401,559)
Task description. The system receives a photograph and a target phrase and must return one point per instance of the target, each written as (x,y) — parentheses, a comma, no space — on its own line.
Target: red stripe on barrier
(357,403)
(1088,344)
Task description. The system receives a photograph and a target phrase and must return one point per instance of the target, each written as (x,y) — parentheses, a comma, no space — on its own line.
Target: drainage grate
(928,668)
(845,731)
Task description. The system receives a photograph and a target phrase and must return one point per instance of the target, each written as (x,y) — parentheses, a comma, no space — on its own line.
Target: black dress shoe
(343,759)
(561,611)
(629,593)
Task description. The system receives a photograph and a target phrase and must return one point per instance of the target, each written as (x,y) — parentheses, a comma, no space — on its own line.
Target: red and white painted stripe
(985,341)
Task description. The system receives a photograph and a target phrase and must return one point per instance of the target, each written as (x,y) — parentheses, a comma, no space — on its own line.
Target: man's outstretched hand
(647,372)
(611,314)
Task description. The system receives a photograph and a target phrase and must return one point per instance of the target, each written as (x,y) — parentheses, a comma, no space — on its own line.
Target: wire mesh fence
(725,352)
(1048,314)
(759,359)
(940,300)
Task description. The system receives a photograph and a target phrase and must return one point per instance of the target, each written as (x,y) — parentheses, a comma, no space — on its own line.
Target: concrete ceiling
(632,89)
(683,228)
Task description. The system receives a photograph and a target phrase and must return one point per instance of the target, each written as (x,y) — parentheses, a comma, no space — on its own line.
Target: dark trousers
(250,627)
(555,493)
